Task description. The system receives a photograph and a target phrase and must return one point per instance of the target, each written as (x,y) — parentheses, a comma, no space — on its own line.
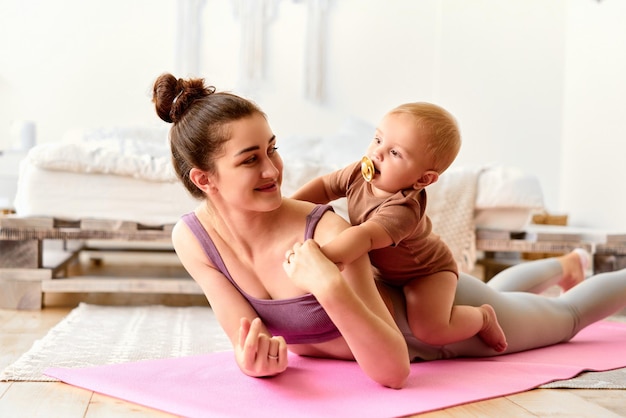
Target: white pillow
(296,173)
(508,187)
(306,157)
(349,143)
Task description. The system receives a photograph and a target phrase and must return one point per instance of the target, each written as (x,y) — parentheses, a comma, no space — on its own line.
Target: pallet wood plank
(16,234)
(13,227)
(25,274)
(16,222)
(102,284)
(20,254)
(107,225)
(20,294)
(520,245)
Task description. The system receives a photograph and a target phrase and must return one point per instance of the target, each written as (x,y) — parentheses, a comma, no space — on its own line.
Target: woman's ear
(202,180)
(429,177)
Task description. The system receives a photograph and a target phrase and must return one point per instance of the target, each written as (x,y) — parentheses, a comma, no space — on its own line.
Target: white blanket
(451,210)
(119,153)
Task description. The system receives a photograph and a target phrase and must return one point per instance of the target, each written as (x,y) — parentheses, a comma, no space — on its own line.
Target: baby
(386,194)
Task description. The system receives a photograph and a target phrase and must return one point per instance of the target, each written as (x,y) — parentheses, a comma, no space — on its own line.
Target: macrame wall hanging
(188,37)
(254,17)
(315,50)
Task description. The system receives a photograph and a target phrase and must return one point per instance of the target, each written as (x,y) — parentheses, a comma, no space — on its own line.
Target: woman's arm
(352,301)
(251,341)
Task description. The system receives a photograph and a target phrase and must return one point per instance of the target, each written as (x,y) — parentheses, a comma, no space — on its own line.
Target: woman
(268,301)
(225,153)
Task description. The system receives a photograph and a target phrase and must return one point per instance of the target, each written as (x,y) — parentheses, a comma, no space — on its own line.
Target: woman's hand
(257,353)
(309,268)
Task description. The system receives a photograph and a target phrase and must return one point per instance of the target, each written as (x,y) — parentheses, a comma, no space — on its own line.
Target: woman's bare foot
(574,265)
(491,333)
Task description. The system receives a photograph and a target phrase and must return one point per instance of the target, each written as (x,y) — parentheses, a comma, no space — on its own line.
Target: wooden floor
(19,329)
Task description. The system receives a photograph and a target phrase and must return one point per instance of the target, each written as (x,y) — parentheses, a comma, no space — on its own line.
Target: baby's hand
(257,353)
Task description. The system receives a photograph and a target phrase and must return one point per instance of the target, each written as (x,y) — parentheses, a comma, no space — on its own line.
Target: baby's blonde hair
(442,128)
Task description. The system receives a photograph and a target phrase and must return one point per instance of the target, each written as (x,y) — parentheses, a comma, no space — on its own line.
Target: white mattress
(76,195)
(73,196)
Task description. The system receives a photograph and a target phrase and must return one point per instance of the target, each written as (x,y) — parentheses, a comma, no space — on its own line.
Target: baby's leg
(539,275)
(434,320)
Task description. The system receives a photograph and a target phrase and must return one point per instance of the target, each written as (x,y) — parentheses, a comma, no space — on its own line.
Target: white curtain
(254,17)
(315,50)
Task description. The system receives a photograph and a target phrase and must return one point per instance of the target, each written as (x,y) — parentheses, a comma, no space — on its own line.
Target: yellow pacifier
(367,169)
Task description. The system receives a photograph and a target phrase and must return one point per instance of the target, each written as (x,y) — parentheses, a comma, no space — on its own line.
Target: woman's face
(250,171)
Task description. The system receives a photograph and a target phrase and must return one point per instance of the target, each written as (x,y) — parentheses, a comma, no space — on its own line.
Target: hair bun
(172,97)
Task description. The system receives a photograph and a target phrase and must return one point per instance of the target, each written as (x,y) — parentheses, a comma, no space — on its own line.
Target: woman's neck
(244,229)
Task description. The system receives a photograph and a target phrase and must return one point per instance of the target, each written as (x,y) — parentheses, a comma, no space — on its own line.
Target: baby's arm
(355,241)
(315,191)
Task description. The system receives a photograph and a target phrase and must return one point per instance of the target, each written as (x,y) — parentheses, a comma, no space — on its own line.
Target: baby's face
(398,153)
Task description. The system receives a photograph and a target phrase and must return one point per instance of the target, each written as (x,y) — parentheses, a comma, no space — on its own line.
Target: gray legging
(529,320)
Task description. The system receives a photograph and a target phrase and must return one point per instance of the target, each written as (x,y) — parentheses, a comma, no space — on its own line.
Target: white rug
(611,379)
(94,335)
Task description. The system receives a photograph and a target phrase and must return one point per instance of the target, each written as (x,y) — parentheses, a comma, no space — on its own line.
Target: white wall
(534,83)
(81,63)
(594,133)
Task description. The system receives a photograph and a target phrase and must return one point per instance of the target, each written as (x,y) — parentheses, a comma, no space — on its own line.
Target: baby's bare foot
(574,265)
(492,333)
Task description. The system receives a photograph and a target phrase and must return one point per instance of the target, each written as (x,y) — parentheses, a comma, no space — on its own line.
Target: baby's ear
(427,178)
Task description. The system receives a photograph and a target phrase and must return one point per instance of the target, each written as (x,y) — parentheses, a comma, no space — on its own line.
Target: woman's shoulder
(184,227)
(181,232)
(302,207)
(329,224)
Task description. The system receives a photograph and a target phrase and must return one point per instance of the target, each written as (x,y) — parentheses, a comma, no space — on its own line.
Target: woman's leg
(532,321)
(597,297)
(539,275)
(527,319)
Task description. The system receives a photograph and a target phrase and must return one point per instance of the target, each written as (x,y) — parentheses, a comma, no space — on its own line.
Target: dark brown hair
(200,118)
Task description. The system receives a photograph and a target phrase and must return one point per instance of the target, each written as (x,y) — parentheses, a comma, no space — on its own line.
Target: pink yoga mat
(212,385)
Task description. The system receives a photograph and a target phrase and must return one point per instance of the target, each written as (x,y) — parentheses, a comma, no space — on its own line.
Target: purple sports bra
(300,320)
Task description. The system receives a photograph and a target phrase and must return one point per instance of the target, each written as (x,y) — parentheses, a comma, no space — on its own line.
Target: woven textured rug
(611,379)
(99,335)
(93,335)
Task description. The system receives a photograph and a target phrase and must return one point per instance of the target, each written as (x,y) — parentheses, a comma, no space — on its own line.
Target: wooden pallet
(36,252)
(520,245)
(30,267)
